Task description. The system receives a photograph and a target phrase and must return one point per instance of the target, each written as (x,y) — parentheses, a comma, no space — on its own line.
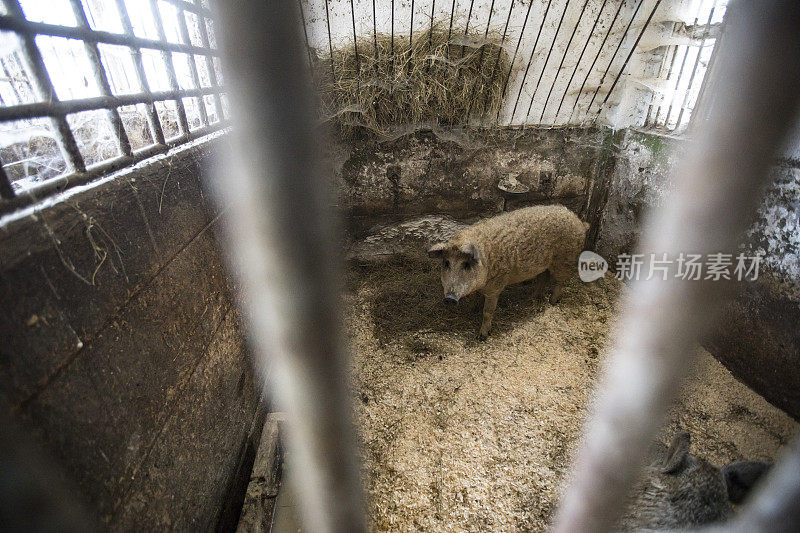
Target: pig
(510,248)
(680,491)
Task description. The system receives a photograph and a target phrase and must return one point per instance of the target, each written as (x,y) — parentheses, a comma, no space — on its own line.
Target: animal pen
(220,311)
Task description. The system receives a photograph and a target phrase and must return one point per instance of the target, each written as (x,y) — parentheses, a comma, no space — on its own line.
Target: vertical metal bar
(680,71)
(466,28)
(170,67)
(375,34)
(101,79)
(330,40)
(614,55)
(514,57)
(715,191)
(392,40)
(305,35)
(544,67)
(578,62)
(480,60)
(499,55)
(43,87)
(450,31)
(674,50)
(282,245)
(628,58)
(212,73)
(430,34)
(696,63)
(184,33)
(6,190)
(136,57)
(355,44)
(411,31)
(530,60)
(558,70)
(594,61)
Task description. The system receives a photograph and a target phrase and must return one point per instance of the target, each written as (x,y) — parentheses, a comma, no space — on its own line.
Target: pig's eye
(465,265)
(446,263)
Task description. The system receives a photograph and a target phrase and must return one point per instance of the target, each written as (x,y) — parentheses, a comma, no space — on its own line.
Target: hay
(441,77)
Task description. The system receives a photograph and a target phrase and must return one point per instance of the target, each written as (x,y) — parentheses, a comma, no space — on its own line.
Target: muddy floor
(468,436)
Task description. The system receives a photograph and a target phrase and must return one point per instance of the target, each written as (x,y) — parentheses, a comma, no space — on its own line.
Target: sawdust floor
(468,436)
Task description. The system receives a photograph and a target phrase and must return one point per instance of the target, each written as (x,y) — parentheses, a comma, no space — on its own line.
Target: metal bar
(411,31)
(696,63)
(101,79)
(715,191)
(58,109)
(514,57)
(282,245)
(305,35)
(212,73)
(578,62)
(614,55)
(680,71)
(704,93)
(674,50)
(31,195)
(6,190)
(450,31)
(392,40)
(183,30)
(466,28)
(594,61)
(499,54)
(628,58)
(530,60)
(170,67)
(330,39)
(375,34)
(544,67)
(26,27)
(355,43)
(136,57)
(480,60)
(558,70)
(43,87)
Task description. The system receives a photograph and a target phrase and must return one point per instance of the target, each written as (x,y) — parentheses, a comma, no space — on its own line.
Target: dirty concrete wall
(122,351)
(446,172)
(759,340)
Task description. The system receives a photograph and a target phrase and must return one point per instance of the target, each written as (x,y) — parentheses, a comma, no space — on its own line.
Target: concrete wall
(122,351)
(759,339)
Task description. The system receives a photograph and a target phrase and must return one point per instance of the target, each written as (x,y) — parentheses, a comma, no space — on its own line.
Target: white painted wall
(545,82)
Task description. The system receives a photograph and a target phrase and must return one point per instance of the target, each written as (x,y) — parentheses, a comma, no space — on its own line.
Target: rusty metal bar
(514,57)
(6,190)
(61,108)
(170,67)
(480,60)
(716,190)
(282,246)
(136,56)
(43,87)
(594,61)
(497,60)
(578,62)
(696,63)
(628,58)
(25,27)
(561,63)
(101,79)
(530,60)
(183,31)
(614,55)
(411,31)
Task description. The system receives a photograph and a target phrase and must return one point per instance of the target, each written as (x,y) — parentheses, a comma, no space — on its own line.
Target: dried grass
(441,77)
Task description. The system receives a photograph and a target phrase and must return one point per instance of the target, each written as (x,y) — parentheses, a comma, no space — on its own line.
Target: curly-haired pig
(510,248)
(681,491)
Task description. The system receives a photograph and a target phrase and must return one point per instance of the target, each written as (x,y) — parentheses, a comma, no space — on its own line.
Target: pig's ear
(470,251)
(677,453)
(437,250)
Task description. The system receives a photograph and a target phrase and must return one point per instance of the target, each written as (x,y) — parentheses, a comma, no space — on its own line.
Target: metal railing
(197,87)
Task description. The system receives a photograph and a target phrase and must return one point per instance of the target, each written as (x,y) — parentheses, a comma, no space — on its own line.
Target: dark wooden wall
(121,349)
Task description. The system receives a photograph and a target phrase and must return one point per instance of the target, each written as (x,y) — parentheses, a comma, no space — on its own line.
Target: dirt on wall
(469,436)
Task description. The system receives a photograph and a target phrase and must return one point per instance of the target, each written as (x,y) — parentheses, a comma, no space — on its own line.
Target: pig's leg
(489,305)
(478,302)
(555,295)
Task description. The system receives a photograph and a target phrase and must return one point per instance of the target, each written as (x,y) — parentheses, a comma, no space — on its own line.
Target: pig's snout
(450,299)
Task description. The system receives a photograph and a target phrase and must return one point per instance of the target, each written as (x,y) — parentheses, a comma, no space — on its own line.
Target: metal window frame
(48,106)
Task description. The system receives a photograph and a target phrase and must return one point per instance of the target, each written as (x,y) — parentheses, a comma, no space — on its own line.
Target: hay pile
(442,77)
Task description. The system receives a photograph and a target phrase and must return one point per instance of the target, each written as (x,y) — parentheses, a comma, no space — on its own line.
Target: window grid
(57,111)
